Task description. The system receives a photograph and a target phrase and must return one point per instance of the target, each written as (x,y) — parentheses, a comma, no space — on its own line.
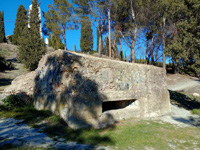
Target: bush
(4,65)
(12,101)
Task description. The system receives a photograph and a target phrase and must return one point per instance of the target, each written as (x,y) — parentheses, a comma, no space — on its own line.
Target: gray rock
(196,94)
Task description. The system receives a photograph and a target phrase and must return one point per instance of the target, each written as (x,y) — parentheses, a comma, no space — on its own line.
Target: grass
(127,134)
(196,111)
(4,51)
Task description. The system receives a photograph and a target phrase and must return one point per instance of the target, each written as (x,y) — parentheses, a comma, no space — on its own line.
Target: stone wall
(78,86)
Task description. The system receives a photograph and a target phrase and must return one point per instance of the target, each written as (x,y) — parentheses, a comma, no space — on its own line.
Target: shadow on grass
(184,101)
(54,126)
(82,136)
(29,114)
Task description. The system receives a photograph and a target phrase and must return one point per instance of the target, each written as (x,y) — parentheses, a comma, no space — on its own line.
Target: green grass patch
(196,111)
(4,52)
(127,134)
(28,113)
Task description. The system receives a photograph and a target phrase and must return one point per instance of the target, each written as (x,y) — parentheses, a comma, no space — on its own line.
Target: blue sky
(73,36)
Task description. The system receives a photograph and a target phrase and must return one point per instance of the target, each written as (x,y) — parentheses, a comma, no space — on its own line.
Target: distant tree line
(167,28)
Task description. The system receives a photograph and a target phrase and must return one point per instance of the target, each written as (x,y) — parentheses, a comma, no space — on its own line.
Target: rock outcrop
(90,91)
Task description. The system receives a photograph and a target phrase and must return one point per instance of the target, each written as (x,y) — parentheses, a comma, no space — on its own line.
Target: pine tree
(74,47)
(50,40)
(31,44)
(19,24)
(106,47)
(125,58)
(86,42)
(2,29)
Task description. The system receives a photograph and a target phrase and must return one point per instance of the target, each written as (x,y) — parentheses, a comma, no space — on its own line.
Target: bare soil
(183,83)
(9,51)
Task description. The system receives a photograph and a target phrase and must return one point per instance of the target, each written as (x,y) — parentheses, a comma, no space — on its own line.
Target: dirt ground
(183,83)
(9,51)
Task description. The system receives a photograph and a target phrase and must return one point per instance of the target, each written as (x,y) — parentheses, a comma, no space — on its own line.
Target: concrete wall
(75,86)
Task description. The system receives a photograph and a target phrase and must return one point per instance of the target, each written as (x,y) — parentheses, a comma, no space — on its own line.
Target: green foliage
(4,65)
(59,19)
(12,101)
(196,111)
(184,47)
(86,42)
(2,29)
(50,40)
(125,57)
(31,44)
(57,43)
(74,47)
(10,38)
(141,61)
(105,50)
(21,22)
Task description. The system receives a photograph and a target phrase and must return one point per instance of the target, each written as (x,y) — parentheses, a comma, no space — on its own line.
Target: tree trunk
(100,42)
(133,40)
(152,50)
(121,52)
(65,39)
(176,69)
(163,42)
(146,53)
(133,51)
(156,57)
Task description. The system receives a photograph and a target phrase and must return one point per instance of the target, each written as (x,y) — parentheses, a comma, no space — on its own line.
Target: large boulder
(91,91)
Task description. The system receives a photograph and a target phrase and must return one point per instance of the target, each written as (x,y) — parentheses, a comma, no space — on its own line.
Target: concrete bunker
(91,91)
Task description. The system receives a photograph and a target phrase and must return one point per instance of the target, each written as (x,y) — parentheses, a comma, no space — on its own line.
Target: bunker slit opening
(121,104)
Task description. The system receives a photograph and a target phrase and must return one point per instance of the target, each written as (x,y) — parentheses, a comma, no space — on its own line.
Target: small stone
(196,94)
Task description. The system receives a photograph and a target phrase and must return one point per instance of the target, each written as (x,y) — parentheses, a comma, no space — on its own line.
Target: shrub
(4,65)
(12,102)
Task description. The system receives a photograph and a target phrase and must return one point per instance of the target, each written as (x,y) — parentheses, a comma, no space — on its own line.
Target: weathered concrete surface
(76,85)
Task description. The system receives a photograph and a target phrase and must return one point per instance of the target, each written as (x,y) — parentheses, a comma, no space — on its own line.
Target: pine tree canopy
(2,29)
(19,24)
(31,45)
(86,42)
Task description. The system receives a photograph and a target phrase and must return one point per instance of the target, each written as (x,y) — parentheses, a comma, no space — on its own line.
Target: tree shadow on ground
(5,81)
(188,103)
(189,121)
(184,101)
(63,86)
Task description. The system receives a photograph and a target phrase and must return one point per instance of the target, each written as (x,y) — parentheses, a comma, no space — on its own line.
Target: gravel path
(184,85)
(181,117)
(187,84)
(15,132)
